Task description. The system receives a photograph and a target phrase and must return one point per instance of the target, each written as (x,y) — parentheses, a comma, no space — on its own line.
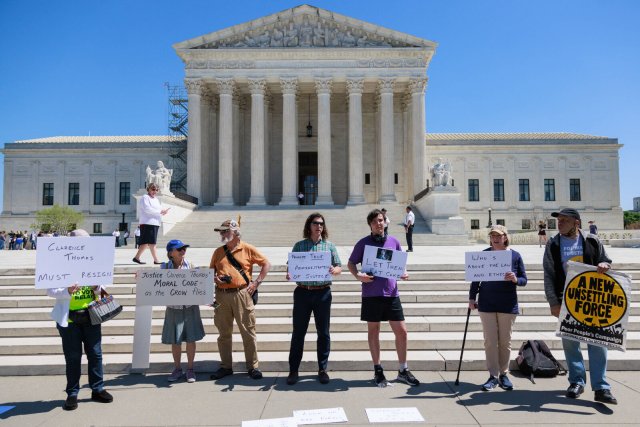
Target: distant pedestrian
(593,228)
(409,222)
(301,198)
(136,234)
(116,234)
(542,233)
(126,236)
(387,221)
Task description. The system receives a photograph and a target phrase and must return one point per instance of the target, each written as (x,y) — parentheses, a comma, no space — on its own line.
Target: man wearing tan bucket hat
(233,263)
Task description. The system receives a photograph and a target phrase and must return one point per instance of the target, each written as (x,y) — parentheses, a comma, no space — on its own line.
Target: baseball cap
(175,244)
(228,225)
(498,229)
(567,212)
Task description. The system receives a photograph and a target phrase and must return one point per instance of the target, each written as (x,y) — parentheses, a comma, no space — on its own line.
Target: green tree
(57,218)
(631,220)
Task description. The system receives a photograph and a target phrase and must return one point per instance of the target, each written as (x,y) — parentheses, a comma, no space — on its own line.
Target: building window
(474,190)
(524,190)
(98,193)
(367,178)
(395,178)
(74,193)
(526,224)
(574,190)
(47,194)
(97,228)
(549,190)
(475,224)
(500,222)
(125,193)
(551,224)
(498,190)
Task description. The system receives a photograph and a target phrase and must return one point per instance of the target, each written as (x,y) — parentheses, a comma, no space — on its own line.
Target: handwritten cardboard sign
(63,261)
(394,415)
(384,262)
(486,266)
(309,266)
(174,287)
(320,416)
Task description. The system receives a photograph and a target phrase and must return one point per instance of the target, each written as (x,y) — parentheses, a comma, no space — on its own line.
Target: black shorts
(379,309)
(148,234)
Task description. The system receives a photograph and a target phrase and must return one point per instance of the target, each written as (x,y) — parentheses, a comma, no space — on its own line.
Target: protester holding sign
(76,331)
(313,297)
(498,307)
(381,301)
(573,244)
(182,323)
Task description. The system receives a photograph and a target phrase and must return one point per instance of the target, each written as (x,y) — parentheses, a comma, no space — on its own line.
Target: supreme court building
(314,102)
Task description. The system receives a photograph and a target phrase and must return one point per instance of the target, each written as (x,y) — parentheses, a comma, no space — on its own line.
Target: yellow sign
(595,299)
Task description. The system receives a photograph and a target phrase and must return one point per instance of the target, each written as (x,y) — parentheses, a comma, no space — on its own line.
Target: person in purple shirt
(381,301)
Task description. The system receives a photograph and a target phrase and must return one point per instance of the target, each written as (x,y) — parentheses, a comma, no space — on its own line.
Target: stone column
(323,88)
(58,184)
(356,177)
(37,205)
(387,140)
(257,88)
(417,88)
(585,194)
(267,145)
(209,158)
(289,141)
(194,140)
(7,205)
(225,141)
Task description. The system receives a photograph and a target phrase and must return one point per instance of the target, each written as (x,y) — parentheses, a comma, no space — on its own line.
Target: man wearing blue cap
(573,244)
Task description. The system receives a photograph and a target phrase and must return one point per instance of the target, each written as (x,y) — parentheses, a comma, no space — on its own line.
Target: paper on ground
(394,415)
(320,416)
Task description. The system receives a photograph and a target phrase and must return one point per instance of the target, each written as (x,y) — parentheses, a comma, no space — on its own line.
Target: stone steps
(434,301)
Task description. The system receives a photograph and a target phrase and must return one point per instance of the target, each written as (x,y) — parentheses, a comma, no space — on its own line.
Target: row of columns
(197,90)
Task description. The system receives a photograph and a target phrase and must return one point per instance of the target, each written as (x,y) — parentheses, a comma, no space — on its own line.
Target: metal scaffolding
(178,131)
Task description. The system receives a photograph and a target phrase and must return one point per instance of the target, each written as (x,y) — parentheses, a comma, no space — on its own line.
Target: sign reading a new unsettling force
(595,306)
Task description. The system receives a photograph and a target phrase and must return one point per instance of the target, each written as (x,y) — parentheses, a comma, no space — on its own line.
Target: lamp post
(490,223)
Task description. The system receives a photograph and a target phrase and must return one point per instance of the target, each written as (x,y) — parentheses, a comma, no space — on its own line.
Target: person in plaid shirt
(313,297)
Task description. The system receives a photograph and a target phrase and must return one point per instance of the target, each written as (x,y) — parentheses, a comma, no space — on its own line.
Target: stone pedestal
(180,209)
(440,208)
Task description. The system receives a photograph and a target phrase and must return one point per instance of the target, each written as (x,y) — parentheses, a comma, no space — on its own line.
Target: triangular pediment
(305,27)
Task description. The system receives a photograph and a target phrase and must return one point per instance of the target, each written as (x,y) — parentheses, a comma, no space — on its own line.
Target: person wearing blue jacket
(498,307)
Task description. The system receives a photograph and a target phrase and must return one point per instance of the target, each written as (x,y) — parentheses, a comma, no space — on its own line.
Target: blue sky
(80,67)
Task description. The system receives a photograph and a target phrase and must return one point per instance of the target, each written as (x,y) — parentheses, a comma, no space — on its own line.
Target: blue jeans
(304,303)
(597,364)
(73,339)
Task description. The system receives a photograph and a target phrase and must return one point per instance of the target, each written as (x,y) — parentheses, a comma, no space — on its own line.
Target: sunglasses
(318,223)
(223,232)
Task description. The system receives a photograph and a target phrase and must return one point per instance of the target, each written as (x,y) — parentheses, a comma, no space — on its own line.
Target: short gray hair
(79,233)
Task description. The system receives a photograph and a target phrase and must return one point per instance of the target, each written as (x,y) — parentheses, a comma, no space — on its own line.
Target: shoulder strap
(234,262)
(545,350)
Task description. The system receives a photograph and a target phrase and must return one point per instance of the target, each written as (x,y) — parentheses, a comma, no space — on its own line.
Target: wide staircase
(434,301)
(346,225)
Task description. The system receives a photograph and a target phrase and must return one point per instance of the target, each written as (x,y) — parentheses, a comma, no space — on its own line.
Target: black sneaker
(221,373)
(379,378)
(407,377)
(292,378)
(71,403)
(102,396)
(574,391)
(491,383)
(505,382)
(255,373)
(323,377)
(605,396)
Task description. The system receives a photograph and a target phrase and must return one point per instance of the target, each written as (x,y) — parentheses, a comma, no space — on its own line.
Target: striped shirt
(307,245)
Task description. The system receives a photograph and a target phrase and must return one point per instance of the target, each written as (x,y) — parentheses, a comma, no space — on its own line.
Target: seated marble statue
(161,177)
(441,174)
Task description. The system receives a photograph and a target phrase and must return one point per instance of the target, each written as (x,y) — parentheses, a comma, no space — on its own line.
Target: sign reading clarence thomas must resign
(174,287)
(63,261)
(309,266)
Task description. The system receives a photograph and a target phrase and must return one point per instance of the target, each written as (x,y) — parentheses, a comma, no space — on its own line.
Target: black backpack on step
(535,360)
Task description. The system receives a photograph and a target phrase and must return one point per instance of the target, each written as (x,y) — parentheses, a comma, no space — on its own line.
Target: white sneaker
(191,376)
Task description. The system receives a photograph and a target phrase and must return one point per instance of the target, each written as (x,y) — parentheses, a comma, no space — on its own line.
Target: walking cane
(464,338)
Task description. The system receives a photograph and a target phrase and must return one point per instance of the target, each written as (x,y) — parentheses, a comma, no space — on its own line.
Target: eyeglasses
(223,232)
(318,223)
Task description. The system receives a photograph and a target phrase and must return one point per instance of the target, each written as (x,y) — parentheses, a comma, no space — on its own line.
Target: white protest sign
(63,261)
(174,286)
(271,422)
(394,415)
(486,266)
(384,262)
(309,266)
(320,416)
(595,306)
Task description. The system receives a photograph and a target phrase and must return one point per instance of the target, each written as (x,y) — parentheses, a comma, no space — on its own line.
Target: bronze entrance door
(308,176)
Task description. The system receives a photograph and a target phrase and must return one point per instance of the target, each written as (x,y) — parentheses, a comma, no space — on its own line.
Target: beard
(225,240)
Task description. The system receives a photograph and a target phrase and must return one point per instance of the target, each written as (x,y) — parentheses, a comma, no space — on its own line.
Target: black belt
(314,288)
(231,289)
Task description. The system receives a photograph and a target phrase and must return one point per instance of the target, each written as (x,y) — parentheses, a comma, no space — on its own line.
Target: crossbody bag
(234,262)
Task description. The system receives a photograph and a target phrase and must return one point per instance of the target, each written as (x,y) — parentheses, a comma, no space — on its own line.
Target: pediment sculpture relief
(304,32)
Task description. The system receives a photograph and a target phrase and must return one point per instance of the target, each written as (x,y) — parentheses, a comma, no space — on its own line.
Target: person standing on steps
(409,221)
(313,297)
(381,301)
(150,214)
